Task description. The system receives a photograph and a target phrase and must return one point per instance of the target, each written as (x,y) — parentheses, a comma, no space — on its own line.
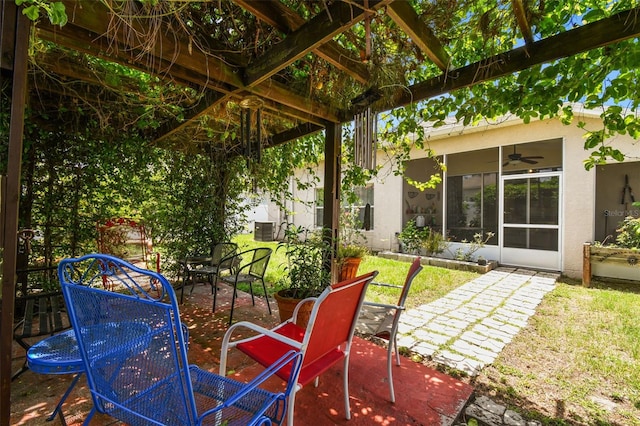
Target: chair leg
(253,300)
(58,409)
(233,301)
(184,283)
(264,287)
(291,406)
(193,283)
(347,407)
(390,350)
(18,373)
(214,289)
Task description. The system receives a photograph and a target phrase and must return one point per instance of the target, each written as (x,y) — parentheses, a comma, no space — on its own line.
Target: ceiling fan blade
(505,164)
(528,160)
(537,157)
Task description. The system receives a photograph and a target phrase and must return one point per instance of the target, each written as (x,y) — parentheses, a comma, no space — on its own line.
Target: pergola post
(331,218)
(15,34)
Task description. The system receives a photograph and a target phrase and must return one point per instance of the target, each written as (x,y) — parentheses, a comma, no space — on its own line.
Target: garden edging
(442,262)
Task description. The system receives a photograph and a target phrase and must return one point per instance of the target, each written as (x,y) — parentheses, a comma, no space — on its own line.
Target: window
(365,197)
(472,206)
(359,208)
(319,206)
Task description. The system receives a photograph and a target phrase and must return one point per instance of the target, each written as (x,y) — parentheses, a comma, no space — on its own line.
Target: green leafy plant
(304,272)
(55,10)
(352,242)
(629,233)
(413,237)
(434,242)
(467,253)
(352,250)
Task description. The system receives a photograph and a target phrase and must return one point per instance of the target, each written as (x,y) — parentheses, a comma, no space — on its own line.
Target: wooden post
(586,264)
(19,37)
(332,172)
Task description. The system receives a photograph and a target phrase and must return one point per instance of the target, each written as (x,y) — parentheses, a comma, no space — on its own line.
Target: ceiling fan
(517,158)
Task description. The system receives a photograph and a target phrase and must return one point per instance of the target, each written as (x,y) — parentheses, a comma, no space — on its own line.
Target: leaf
(593,15)
(58,14)
(31,12)
(593,139)
(617,155)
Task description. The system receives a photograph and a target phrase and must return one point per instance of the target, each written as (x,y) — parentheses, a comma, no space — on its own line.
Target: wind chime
(365,121)
(251,134)
(365,138)
(251,129)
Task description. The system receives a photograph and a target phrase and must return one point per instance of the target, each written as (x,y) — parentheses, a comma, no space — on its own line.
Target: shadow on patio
(424,396)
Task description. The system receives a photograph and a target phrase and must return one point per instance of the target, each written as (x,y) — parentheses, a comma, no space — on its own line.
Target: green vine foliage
(605,79)
(55,10)
(77,170)
(103,165)
(304,272)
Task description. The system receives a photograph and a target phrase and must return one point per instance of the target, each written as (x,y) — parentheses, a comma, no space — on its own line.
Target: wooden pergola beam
(279,93)
(619,27)
(403,14)
(165,50)
(172,58)
(292,134)
(286,20)
(318,31)
(94,44)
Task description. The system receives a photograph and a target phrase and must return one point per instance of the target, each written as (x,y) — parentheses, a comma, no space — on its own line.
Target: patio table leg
(58,409)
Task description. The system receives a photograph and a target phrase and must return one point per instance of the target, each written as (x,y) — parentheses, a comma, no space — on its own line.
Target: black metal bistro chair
(252,265)
(208,267)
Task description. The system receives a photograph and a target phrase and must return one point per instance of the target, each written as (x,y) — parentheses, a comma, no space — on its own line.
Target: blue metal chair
(135,358)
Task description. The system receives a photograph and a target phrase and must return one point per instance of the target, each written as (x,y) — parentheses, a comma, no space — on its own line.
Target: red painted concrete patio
(424,396)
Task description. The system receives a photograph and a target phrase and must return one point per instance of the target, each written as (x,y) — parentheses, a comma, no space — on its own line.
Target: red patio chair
(325,341)
(381,320)
(128,239)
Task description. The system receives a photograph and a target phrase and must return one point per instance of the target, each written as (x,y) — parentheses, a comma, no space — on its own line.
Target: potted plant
(349,258)
(305,274)
(351,247)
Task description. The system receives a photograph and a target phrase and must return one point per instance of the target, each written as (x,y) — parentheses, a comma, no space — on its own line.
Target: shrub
(629,233)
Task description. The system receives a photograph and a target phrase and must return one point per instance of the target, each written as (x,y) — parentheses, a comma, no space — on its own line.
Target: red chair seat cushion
(266,350)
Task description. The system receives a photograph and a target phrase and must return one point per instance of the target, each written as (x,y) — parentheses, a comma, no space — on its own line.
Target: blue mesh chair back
(135,353)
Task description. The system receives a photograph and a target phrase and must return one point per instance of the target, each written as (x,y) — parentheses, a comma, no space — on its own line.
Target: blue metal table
(57,354)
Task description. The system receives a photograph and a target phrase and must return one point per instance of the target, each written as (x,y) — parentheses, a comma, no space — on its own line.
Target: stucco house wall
(578,186)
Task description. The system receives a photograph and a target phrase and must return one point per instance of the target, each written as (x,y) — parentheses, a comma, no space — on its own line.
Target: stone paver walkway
(469,327)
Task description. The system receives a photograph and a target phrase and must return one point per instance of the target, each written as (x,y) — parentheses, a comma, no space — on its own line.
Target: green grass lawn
(431,284)
(578,361)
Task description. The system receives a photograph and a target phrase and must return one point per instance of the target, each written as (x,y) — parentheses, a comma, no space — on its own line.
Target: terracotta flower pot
(349,268)
(286,305)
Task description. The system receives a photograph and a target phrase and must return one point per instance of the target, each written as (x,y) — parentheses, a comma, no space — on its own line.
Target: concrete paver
(468,328)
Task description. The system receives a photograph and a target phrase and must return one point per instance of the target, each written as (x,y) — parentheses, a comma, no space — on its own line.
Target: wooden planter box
(610,262)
